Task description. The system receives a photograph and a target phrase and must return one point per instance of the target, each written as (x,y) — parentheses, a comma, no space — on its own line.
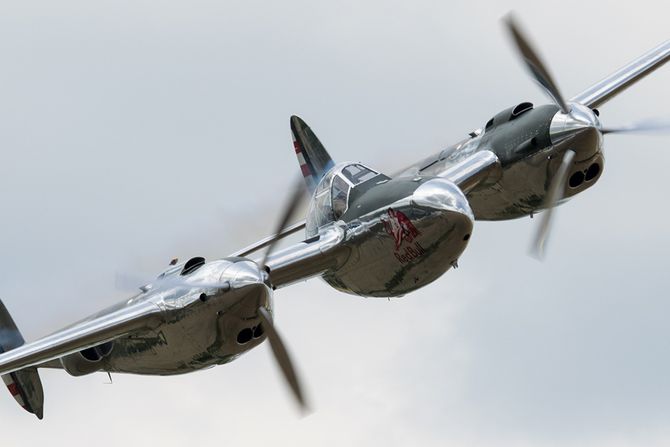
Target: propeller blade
(282,357)
(292,206)
(649,126)
(554,195)
(534,64)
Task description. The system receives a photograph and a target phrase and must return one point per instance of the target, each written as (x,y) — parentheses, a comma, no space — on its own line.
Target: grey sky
(133,132)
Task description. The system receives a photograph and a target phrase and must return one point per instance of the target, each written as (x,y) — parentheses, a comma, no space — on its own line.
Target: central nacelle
(401,245)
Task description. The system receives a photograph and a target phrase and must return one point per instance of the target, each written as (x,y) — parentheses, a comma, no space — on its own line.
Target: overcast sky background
(132,132)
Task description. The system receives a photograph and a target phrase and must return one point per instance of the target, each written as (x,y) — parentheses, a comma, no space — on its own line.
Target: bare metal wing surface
(626,76)
(366,234)
(473,170)
(310,257)
(83,335)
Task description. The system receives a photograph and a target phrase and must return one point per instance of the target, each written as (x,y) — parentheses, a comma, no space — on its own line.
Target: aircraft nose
(443,195)
(248,280)
(581,121)
(245,272)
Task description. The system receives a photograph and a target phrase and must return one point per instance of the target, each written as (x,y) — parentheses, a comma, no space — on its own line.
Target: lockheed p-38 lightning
(366,233)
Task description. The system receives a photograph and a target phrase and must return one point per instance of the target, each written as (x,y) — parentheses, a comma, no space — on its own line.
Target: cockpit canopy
(331,197)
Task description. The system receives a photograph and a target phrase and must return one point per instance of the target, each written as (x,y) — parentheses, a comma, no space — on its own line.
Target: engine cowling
(88,360)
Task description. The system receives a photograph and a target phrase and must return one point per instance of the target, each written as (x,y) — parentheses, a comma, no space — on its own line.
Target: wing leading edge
(88,333)
(626,76)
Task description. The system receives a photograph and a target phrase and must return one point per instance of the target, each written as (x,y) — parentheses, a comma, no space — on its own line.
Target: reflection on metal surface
(581,119)
(481,167)
(308,258)
(441,194)
(405,245)
(331,197)
(167,330)
(367,234)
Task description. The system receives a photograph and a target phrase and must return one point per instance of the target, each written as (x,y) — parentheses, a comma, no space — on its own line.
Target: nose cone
(581,122)
(249,287)
(243,273)
(443,195)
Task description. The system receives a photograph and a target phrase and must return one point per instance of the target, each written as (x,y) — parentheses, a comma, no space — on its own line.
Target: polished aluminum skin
(366,234)
(519,189)
(579,121)
(394,238)
(620,80)
(425,234)
(180,324)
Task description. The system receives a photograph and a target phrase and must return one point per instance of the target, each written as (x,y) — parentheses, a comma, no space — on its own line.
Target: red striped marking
(13,389)
(296,146)
(305,171)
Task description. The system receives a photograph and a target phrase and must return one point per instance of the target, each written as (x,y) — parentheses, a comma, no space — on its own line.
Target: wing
(309,257)
(478,168)
(626,76)
(93,331)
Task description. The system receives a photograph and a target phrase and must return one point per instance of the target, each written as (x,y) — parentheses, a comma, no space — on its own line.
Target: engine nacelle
(87,361)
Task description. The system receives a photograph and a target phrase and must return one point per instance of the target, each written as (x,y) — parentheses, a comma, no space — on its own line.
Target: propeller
(534,64)
(282,357)
(554,195)
(557,186)
(541,75)
(276,344)
(648,126)
(289,210)
(128,281)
